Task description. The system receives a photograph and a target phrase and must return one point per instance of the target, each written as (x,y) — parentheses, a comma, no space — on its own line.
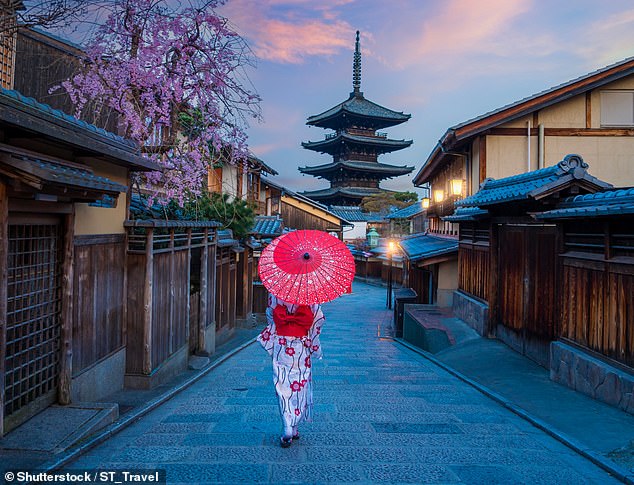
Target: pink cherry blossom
(173,76)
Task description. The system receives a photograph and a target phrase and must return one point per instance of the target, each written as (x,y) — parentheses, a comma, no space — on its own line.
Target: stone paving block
(485,475)
(404,416)
(356,454)
(159,439)
(182,428)
(315,473)
(223,439)
(212,473)
(249,454)
(417,428)
(265,426)
(530,475)
(492,428)
(321,426)
(327,439)
(152,454)
(412,473)
(201,418)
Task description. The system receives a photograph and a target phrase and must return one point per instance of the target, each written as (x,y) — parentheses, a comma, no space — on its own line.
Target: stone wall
(473,312)
(582,372)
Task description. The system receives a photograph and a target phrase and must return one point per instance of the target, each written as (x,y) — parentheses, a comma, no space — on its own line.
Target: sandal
(285,442)
(295,436)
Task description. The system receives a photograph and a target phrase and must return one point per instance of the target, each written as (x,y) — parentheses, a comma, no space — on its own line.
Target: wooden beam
(483,158)
(204,294)
(607,132)
(147,302)
(493,281)
(4,250)
(66,364)
(589,109)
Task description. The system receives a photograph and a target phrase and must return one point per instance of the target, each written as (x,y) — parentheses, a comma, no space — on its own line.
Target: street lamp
(390,251)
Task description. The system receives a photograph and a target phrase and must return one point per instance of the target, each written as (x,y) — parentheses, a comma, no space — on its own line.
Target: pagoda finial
(356,67)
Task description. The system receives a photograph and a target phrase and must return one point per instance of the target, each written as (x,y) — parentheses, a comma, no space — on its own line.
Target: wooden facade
(546,277)
(159,263)
(597,281)
(99,294)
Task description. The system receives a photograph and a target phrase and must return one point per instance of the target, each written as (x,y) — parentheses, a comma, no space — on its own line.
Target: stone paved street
(382,414)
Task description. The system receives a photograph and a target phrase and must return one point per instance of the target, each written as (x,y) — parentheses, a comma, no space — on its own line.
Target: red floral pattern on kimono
(292,375)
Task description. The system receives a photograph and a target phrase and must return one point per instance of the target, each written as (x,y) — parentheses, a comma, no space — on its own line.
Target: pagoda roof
(356,106)
(356,193)
(382,169)
(383,145)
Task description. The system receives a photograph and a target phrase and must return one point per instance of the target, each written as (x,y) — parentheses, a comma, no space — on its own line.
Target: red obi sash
(292,324)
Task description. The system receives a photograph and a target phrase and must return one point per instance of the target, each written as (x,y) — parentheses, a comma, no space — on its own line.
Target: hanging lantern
(439,195)
(425,202)
(456,186)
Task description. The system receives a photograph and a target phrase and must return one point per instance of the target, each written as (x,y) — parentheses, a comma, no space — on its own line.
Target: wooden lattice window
(33,313)
(7,56)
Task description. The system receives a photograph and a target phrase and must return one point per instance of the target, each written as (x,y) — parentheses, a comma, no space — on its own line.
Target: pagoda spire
(356,67)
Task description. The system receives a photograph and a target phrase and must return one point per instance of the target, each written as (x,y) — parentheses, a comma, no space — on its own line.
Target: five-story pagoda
(355,146)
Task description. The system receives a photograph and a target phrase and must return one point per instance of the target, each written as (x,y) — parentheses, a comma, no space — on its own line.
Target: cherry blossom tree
(175,77)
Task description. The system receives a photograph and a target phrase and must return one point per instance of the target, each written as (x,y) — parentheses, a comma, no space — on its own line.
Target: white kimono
(292,364)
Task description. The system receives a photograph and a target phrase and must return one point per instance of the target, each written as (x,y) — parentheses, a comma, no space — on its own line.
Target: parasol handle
(306,256)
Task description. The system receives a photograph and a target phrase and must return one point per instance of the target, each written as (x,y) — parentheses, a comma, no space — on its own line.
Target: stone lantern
(373,238)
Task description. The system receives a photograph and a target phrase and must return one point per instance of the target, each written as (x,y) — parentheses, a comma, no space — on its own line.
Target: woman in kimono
(292,339)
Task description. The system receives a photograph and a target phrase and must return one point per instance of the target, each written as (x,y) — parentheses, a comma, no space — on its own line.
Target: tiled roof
(608,203)
(466,214)
(304,198)
(406,212)
(355,214)
(43,119)
(359,106)
(267,226)
(350,191)
(372,167)
(64,175)
(385,144)
(422,246)
(531,184)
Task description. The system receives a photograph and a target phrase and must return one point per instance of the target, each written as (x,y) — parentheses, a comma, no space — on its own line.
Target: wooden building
(355,146)
(300,212)
(546,265)
(580,116)
(63,283)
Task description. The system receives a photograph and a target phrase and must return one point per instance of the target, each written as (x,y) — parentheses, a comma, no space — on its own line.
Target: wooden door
(34,303)
(527,283)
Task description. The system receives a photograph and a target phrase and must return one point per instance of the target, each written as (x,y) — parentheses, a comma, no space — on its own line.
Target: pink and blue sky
(442,61)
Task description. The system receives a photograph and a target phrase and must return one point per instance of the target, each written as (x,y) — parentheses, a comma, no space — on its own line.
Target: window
(617,108)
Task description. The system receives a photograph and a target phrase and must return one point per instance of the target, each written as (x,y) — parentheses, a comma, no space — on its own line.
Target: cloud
(291,31)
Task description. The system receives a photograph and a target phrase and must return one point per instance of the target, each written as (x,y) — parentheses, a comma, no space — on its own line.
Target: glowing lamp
(425,202)
(439,195)
(456,186)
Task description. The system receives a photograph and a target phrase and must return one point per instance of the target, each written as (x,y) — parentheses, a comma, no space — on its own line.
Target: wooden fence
(598,289)
(159,260)
(99,293)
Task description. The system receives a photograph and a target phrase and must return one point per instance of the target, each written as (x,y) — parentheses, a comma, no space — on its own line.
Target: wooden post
(172,294)
(66,364)
(4,250)
(147,302)
(204,294)
(189,269)
(493,281)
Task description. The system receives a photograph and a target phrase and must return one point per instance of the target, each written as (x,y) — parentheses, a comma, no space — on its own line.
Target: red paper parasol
(306,267)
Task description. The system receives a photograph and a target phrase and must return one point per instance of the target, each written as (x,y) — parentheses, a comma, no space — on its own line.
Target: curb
(135,415)
(609,466)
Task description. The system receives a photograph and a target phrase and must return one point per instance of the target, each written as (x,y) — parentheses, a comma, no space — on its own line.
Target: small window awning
(424,248)
(69,181)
